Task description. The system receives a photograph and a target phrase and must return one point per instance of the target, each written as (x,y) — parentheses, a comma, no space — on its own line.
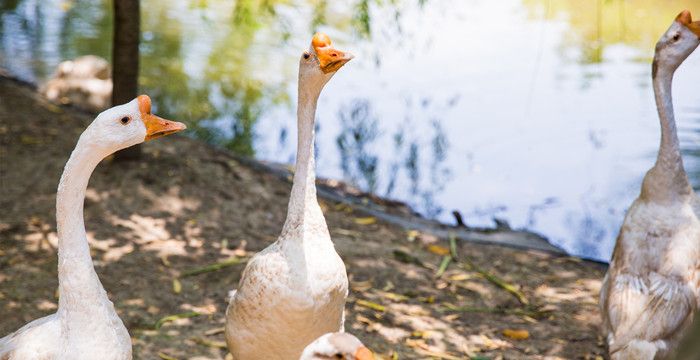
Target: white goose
(86,325)
(650,293)
(336,346)
(294,290)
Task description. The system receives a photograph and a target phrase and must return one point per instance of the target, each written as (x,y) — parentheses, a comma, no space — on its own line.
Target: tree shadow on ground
(186,206)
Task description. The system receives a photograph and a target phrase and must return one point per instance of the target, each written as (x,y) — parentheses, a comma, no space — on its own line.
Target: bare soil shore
(170,235)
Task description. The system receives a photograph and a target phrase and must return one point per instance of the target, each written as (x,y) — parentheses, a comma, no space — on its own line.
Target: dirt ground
(186,206)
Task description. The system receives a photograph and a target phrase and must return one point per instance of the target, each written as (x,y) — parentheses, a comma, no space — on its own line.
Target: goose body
(294,290)
(86,325)
(279,317)
(652,288)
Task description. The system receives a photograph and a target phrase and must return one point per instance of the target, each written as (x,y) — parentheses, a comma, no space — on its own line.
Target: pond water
(537,112)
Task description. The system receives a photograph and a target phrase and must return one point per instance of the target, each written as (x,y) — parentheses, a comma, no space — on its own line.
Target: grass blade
(213,267)
(174,317)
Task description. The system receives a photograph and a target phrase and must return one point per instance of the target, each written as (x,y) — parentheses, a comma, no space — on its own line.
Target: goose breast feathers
(650,292)
(286,298)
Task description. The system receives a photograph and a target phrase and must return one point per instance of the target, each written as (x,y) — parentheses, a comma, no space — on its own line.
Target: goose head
(336,346)
(126,125)
(320,62)
(679,41)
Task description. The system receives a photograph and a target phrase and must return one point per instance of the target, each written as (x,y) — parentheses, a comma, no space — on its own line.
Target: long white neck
(79,287)
(304,211)
(667,180)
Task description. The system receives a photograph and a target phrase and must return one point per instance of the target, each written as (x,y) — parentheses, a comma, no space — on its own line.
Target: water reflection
(360,129)
(85,28)
(410,161)
(544,118)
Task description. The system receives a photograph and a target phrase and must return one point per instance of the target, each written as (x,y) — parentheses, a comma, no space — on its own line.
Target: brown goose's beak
(329,58)
(686,19)
(364,353)
(155,126)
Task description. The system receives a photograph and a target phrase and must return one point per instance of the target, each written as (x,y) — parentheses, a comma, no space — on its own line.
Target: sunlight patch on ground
(568,294)
(172,202)
(40,235)
(115,253)
(145,229)
(207,309)
(413,325)
(45,305)
(152,235)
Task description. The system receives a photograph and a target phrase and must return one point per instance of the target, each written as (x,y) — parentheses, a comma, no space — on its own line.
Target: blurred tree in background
(125,60)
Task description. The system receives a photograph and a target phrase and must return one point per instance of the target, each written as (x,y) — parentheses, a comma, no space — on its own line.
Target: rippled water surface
(537,112)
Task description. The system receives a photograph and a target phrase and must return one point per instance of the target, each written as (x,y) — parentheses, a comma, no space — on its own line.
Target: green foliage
(362,18)
(76,40)
(596,24)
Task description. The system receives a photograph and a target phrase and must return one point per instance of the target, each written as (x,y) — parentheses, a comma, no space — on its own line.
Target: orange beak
(364,353)
(687,20)
(329,58)
(155,126)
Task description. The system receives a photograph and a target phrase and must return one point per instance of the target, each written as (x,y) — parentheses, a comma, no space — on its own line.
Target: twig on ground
(453,246)
(452,255)
(512,289)
(407,258)
(534,313)
(212,267)
(439,355)
(214,331)
(443,265)
(165,356)
(174,317)
(210,343)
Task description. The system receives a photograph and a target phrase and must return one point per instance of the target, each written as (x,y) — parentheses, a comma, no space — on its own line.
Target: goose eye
(676,37)
(307,55)
(125,120)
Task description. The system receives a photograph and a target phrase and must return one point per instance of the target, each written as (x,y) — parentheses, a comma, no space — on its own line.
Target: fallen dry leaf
(348,233)
(371,305)
(177,286)
(438,250)
(210,343)
(393,296)
(215,331)
(428,300)
(29,140)
(420,334)
(389,286)
(365,220)
(364,319)
(459,277)
(361,286)
(519,334)
(438,354)
(343,207)
(165,261)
